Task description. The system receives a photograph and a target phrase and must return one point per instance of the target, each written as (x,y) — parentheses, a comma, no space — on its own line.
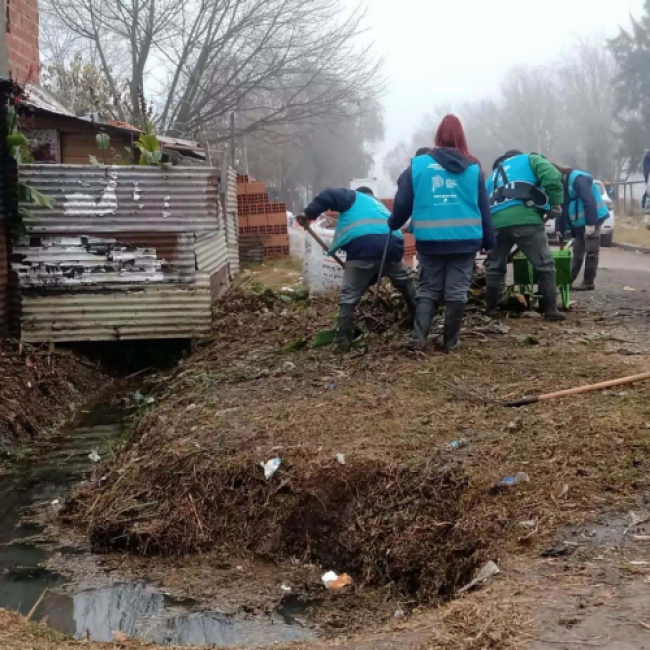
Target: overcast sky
(441,51)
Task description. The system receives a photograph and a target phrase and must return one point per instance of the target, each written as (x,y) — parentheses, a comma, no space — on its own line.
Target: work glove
(303,220)
(590,231)
(555,212)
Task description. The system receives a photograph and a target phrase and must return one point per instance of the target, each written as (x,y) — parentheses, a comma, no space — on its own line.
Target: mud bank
(368,483)
(38,390)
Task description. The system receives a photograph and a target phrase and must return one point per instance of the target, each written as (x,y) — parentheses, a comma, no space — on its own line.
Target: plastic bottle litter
(518,479)
(487,572)
(458,444)
(270,467)
(334,582)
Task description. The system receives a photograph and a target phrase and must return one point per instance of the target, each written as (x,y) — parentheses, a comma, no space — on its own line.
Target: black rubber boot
(454,312)
(408,292)
(346,328)
(591,270)
(425,311)
(492,300)
(585,286)
(549,295)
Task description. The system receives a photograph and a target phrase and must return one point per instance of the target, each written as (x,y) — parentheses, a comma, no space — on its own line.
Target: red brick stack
(261,220)
(22,40)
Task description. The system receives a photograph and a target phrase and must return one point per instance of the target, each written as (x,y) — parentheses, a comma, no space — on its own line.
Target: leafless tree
(271,62)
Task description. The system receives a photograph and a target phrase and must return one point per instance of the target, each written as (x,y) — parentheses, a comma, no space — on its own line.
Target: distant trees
(271,62)
(565,110)
(631,50)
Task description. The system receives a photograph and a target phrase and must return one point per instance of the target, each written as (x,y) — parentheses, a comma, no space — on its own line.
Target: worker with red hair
(443,193)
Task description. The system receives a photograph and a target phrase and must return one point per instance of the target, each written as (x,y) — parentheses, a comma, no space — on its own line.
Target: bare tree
(271,62)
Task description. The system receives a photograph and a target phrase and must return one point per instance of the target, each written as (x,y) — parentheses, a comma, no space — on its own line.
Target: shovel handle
(324,246)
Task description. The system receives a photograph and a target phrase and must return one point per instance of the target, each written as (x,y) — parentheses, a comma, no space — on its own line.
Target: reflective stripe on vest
(576,210)
(445,206)
(367,216)
(518,170)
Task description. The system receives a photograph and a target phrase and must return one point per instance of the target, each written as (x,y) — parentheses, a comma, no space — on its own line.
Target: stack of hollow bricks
(261,219)
(409,240)
(22,40)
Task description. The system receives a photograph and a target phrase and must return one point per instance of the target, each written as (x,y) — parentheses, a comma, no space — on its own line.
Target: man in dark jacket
(362,232)
(584,213)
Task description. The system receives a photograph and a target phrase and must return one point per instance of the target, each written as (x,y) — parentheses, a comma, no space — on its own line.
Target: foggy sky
(441,51)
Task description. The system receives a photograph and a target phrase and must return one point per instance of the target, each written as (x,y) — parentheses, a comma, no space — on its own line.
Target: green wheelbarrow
(525,277)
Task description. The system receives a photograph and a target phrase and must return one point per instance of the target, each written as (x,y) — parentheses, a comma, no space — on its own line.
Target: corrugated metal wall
(123,312)
(119,199)
(173,214)
(231,218)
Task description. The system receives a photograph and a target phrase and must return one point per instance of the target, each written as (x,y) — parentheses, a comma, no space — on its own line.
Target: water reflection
(143,612)
(138,610)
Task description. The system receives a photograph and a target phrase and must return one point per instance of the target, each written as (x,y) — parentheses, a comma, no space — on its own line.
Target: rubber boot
(591,269)
(454,312)
(425,311)
(549,295)
(346,328)
(492,300)
(408,292)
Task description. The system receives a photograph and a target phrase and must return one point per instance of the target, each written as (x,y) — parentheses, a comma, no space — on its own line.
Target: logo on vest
(437,182)
(451,183)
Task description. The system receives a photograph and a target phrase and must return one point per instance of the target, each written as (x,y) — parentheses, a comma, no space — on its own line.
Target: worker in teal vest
(523,190)
(443,193)
(584,213)
(362,232)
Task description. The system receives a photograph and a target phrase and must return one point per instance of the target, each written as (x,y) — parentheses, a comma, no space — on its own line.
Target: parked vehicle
(607,230)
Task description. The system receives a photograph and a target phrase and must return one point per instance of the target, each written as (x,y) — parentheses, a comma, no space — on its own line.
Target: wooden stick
(324,246)
(645,376)
(36,604)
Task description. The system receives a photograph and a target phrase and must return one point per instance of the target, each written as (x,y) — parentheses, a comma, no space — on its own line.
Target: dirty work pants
(532,242)
(361,274)
(446,276)
(589,247)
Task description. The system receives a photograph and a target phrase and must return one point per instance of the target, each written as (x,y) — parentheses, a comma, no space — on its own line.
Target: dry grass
(404,511)
(632,233)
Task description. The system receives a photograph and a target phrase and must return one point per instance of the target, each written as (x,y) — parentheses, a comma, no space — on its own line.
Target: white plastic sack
(297,238)
(320,272)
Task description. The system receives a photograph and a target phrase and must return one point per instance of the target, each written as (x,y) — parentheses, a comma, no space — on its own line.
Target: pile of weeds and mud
(405,509)
(37,388)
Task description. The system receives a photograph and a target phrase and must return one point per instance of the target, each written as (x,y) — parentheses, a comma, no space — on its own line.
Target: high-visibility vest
(576,209)
(445,206)
(514,183)
(367,216)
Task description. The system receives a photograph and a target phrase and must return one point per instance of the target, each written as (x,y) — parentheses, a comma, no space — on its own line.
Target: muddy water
(136,609)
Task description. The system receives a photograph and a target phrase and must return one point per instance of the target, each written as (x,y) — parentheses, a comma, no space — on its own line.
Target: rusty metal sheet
(118,313)
(231,219)
(212,258)
(118,199)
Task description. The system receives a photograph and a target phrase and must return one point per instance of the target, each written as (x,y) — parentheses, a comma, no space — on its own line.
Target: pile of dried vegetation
(368,483)
(37,388)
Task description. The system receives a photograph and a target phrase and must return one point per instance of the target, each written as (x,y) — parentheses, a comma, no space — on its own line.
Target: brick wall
(22,40)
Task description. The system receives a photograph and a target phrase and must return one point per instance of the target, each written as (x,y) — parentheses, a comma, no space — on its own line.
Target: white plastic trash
(320,272)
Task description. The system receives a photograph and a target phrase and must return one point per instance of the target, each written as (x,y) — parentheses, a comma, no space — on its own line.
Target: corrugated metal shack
(126,253)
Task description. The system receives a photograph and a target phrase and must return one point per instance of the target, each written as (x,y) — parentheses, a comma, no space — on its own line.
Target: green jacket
(550,180)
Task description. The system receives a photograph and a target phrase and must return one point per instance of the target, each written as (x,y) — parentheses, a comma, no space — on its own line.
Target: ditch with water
(138,610)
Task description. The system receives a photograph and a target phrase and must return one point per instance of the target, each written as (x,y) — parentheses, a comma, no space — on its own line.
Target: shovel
(324,246)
